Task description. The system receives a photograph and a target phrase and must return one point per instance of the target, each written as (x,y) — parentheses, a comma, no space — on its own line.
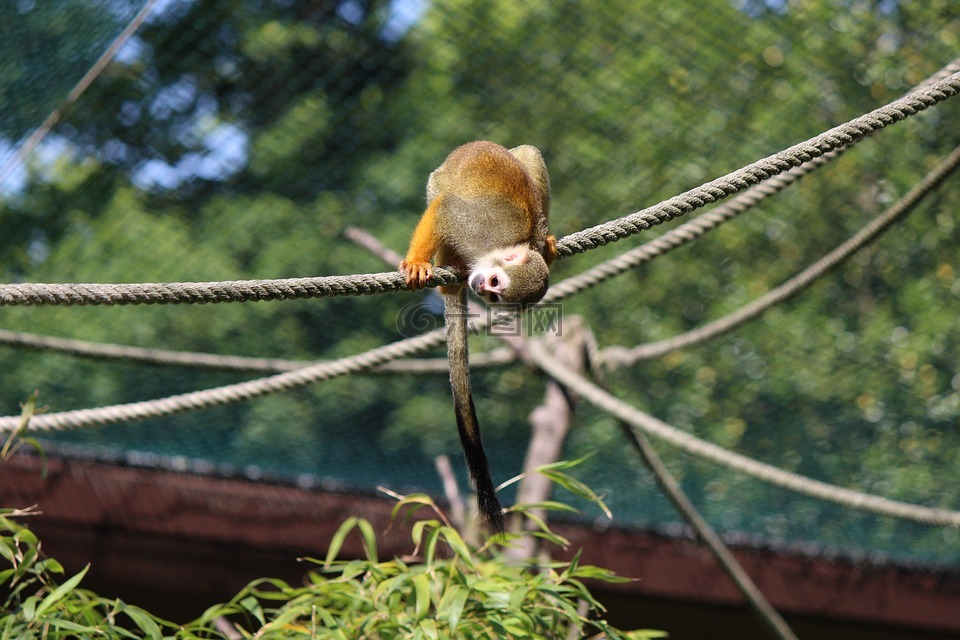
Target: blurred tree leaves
(239,138)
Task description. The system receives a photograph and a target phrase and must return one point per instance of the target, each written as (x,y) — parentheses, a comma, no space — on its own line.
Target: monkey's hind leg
(455,317)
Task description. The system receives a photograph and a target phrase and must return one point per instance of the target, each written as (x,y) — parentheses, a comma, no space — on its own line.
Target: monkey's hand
(550,250)
(416,273)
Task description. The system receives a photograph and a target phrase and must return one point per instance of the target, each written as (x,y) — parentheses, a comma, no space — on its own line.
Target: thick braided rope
(839,137)
(374,357)
(285,289)
(226,394)
(803,280)
(210,292)
(214,397)
(707,450)
(687,232)
(201,360)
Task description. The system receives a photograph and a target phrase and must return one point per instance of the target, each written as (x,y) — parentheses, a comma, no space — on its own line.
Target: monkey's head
(515,274)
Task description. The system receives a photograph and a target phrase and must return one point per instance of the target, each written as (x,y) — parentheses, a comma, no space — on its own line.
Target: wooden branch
(550,424)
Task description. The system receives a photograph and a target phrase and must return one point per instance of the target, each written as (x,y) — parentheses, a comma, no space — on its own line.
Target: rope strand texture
(803,280)
(227,394)
(843,136)
(651,426)
(210,292)
(839,137)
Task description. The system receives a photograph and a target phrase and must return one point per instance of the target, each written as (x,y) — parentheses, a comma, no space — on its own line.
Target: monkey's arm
(455,317)
(424,244)
(536,169)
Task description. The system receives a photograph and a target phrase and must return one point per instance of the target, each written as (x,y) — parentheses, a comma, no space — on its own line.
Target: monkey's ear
(516,255)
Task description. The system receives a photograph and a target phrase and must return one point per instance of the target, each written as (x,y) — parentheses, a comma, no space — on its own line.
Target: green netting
(238,139)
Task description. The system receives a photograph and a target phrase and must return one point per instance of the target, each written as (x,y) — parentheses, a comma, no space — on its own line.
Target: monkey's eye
(494,298)
(494,281)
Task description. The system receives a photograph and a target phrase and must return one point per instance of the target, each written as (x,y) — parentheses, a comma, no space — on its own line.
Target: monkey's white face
(489,278)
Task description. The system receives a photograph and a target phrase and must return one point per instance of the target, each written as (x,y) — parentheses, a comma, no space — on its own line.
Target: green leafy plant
(17,438)
(445,588)
(37,606)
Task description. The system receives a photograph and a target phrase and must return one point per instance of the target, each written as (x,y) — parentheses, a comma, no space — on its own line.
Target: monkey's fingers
(416,274)
(550,250)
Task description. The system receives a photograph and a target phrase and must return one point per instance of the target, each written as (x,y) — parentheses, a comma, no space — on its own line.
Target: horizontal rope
(651,426)
(281,382)
(379,356)
(677,237)
(212,292)
(839,137)
(798,283)
(214,361)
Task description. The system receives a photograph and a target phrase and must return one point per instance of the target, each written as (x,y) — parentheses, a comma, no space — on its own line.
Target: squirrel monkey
(486,217)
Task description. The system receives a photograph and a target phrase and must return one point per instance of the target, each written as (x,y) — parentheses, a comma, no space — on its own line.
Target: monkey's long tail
(455,316)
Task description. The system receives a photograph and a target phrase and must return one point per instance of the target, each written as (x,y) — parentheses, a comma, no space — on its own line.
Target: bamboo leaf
(61,591)
(336,542)
(369,539)
(421,588)
(577,488)
(252,605)
(451,606)
(144,622)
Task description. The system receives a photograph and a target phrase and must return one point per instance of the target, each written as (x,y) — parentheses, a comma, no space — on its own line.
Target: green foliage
(445,588)
(451,591)
(39,41)
(240,138)
(38,606)
(17,438)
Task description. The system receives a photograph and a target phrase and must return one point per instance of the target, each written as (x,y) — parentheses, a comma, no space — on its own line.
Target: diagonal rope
(687,232)
(280,382)
(803,280)
(367,360)
(227,394)
(738,575)
(649,425)
(92,74)
(843,136)
(839,137)
(699,226)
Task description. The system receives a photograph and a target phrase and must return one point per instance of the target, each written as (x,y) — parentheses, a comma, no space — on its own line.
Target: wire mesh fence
(238,139)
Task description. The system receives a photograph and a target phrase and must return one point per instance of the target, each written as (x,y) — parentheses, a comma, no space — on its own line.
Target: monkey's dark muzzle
(477,284)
